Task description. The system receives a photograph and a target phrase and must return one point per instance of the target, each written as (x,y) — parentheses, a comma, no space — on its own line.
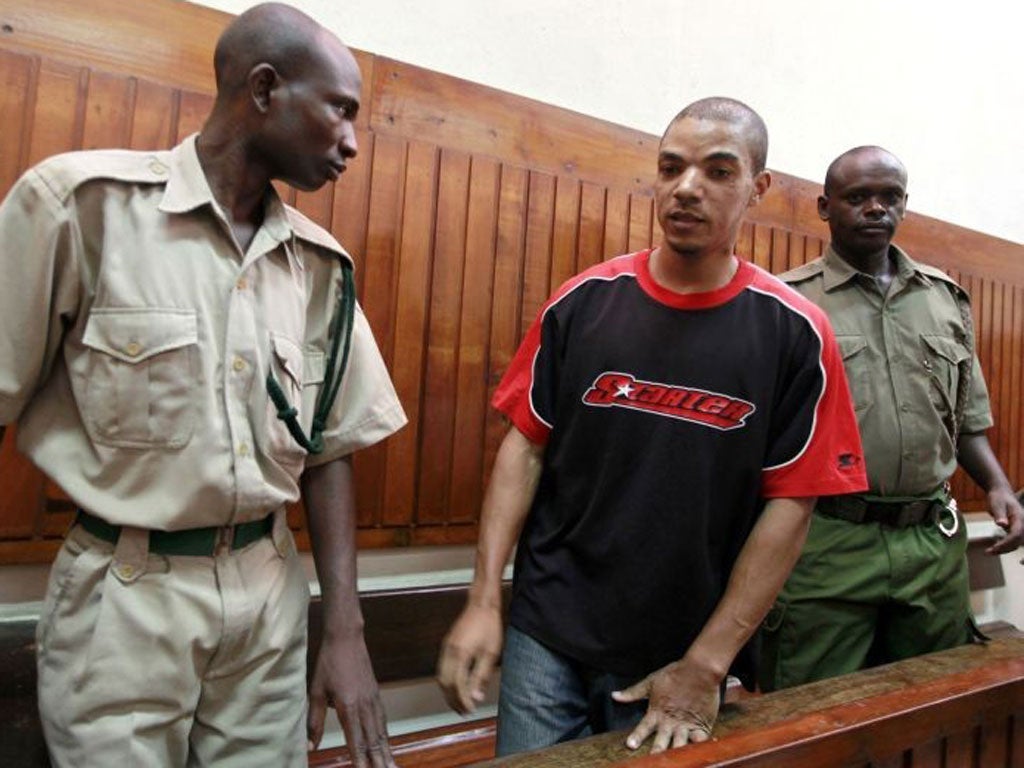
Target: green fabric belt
(894,514)
(194,541)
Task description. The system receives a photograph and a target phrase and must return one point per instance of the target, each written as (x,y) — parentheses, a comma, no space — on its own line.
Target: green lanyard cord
(341,328)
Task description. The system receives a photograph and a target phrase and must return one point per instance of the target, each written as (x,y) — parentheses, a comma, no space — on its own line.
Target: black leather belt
(193,541)
(894,514)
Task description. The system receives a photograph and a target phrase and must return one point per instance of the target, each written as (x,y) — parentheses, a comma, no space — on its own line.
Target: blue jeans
(547,698)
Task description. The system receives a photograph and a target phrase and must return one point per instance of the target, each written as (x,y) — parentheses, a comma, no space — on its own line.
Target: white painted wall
(935,81)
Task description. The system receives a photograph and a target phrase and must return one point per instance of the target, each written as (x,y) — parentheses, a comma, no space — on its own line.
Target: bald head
(853,160)
(725,110)
(270,33)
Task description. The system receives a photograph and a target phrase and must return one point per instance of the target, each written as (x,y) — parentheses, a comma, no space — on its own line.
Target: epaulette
(938,274)
(308,230)
(65,172)
(803,272)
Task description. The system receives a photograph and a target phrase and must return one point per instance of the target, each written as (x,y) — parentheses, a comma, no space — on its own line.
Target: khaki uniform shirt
(136,338)
(901,351)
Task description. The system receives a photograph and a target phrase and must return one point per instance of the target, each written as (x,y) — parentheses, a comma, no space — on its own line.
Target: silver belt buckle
(950,531)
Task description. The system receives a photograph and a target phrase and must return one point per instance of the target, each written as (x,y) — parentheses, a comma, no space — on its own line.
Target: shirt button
(238,364)
(904,407)
(927,364)
(243,449)
(125,571)
(132,348)
(242,284)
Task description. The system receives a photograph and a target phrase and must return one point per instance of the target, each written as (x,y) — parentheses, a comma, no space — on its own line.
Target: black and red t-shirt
(667,419)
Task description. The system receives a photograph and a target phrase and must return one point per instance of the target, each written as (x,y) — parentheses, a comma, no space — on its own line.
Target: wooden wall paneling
(58,114)
(928,755)
(762,246)
(23,492)
(154,117)
(110,101)
(414,268)
(961,748)
(1015,459)
(506,320)
(565,237)
(995,735)
(1001,343)
(1016,735)
(384,163)
(472,411)
(591,226)
(780,250)
(641,216)
(540,220)
(19,77)
(193,109)
(616,223)
(437,418)
(350,213)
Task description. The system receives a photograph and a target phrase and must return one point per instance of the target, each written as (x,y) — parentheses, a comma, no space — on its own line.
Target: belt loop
(282,536)
(131,554)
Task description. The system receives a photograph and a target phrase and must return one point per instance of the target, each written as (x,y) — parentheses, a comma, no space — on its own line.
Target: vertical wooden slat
(1015,459)
(437,418)
(471,410)
(508,272)
(928,755)
(565,236)
(641,214)
(154,116)
(378,280)
(349,218)
(961,749)
(592,229)
(57,118)
(780,251)
(17,93)
(616,223)
(192,112)
(995,736)
(540,216)
(414,271)
(761,247)
(109,104)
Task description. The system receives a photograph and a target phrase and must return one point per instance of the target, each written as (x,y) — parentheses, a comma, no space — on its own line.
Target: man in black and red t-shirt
(675,413)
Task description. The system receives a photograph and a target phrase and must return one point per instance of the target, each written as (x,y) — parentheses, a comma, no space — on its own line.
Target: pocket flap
(136,334)
(850,345)
(289,357)
(947,347)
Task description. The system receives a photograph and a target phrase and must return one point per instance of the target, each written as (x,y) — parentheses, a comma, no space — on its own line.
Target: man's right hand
(468,655)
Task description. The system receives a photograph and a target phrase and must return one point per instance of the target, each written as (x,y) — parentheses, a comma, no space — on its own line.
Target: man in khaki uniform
(151,302)
(883,575)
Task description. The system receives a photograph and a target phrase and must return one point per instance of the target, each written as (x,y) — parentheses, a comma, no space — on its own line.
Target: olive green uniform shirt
(901,351)
(136,339)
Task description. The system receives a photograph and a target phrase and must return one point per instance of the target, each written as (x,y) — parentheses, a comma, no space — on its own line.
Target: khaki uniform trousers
(863,594)
(174,660)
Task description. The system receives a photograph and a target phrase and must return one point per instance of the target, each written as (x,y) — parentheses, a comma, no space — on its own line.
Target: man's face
(865,202)
(312,132)
(705,184)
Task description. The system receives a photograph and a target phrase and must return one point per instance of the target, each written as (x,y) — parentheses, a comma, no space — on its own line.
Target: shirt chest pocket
(942,358)
(856,362)
(141,377)
(299,372)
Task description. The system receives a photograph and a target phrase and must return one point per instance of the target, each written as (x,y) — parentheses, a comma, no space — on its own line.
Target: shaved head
(725,110)
(270,33)
(858,155)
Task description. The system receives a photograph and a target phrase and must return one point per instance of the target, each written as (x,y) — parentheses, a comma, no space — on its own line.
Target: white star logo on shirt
(624,390)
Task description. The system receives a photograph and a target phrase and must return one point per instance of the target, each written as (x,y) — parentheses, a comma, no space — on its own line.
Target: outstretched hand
(344,679)
(683,706)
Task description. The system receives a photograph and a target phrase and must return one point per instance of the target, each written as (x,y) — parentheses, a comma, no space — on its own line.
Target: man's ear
(823,207)
(762,182)
(262,80)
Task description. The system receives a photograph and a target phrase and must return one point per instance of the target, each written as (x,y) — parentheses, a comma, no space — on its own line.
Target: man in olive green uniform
(883,575)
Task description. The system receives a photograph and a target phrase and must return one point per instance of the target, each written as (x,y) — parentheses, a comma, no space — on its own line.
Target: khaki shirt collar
(187,189)
(836,271)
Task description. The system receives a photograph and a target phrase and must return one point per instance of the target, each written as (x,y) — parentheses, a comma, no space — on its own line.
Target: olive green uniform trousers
(864,594)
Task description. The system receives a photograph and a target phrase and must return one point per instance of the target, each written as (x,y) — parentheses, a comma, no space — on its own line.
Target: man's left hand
(344,679)
(1008,515)
(683,706)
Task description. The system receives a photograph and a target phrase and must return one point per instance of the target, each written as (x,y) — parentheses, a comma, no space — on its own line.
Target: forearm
(329,499)
(975,454)
(761,569)
(507,500)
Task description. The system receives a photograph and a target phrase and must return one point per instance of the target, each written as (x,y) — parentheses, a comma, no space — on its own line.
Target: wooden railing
(465,208)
